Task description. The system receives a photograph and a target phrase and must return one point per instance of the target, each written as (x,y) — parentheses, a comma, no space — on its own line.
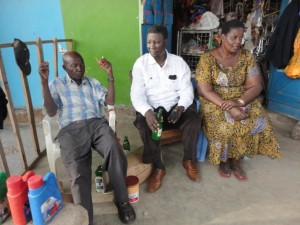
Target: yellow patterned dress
(229,138)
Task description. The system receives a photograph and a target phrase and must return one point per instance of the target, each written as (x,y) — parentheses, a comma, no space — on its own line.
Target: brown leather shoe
(191,170)
(156,179)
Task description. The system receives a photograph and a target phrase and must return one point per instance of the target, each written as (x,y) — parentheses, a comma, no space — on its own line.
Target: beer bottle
(99,181)
(126,144)
(157,133)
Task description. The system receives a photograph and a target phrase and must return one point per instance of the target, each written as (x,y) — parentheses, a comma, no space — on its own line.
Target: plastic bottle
(44,197)
(157,133)
(4,212)
(17,195)
(126,144)
(99,181)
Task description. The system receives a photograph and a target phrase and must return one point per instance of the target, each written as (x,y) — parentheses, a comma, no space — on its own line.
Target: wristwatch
(110,79)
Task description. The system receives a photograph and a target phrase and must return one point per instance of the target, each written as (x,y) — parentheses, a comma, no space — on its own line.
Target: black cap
(22,56)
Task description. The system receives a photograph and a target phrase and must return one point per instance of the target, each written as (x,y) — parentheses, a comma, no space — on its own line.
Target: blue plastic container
(44,197)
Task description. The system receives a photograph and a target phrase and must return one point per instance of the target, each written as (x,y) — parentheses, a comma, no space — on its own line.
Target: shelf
(191,44)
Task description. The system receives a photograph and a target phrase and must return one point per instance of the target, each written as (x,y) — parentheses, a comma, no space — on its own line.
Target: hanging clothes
(3,108)
(280,48)
(217,7)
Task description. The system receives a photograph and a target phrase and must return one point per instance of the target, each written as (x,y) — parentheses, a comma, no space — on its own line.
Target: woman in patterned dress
(236,125)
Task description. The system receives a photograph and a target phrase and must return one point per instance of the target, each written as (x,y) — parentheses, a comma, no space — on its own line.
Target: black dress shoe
(126,212)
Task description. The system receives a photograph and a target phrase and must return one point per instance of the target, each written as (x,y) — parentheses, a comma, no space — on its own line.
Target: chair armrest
(47,128)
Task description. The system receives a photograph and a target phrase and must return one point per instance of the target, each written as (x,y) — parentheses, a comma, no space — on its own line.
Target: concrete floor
(271,196)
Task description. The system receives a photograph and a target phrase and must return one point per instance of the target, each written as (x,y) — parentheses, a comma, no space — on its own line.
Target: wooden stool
(170,136)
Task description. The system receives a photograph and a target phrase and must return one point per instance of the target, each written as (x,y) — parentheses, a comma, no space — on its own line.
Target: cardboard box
(136,167)
(66,197)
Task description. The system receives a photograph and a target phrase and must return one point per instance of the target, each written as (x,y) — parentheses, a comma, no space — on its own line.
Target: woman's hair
(159,29)
(230,25)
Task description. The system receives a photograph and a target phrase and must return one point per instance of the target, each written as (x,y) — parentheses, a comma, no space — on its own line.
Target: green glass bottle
(126,144)
(5,211)
(157,133)
(99,181)
(3,188)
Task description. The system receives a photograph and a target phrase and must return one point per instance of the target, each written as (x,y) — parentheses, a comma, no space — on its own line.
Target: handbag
(292,70)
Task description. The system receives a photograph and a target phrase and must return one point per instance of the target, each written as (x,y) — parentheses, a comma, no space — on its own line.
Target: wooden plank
(170,136)
(12,115)
(70,45)
(8,45)
(11,111)
(55,57)
(3,162)
(30,114)
(39,50)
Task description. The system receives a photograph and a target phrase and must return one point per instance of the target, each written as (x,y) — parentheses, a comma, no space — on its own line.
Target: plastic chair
(202,142)
(52,144)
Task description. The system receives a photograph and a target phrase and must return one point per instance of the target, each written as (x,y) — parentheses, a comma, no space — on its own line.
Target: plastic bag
(292,70)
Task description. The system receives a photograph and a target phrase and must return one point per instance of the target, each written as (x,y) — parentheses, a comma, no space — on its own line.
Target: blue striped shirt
(77,102)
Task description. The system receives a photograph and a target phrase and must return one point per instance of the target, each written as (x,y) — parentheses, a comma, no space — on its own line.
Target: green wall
(108,28)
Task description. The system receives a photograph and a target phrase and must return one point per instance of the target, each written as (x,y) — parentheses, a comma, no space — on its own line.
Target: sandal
(224,169)
(238,172)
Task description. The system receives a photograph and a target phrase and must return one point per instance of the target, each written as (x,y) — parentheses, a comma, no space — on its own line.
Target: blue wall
(27,19)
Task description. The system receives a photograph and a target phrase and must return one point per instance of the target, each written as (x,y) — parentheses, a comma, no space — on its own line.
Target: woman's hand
(238,113)
(229,104)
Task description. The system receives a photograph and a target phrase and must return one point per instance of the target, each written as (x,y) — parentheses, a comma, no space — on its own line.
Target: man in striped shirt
(76,99)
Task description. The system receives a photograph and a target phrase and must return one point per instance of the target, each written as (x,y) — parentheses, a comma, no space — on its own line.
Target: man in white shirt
(163,80)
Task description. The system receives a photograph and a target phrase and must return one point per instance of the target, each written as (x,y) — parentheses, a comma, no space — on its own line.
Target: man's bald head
(74,66)
(70,55)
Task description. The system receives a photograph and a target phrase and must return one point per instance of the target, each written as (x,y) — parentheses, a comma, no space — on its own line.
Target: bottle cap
(14,182)
(27,175)
(131,180)
(35,182)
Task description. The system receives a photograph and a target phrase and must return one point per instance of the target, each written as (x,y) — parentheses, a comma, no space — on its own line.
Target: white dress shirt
(154,86)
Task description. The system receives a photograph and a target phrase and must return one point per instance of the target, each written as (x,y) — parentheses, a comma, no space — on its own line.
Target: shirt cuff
(144,110)
(184,104)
